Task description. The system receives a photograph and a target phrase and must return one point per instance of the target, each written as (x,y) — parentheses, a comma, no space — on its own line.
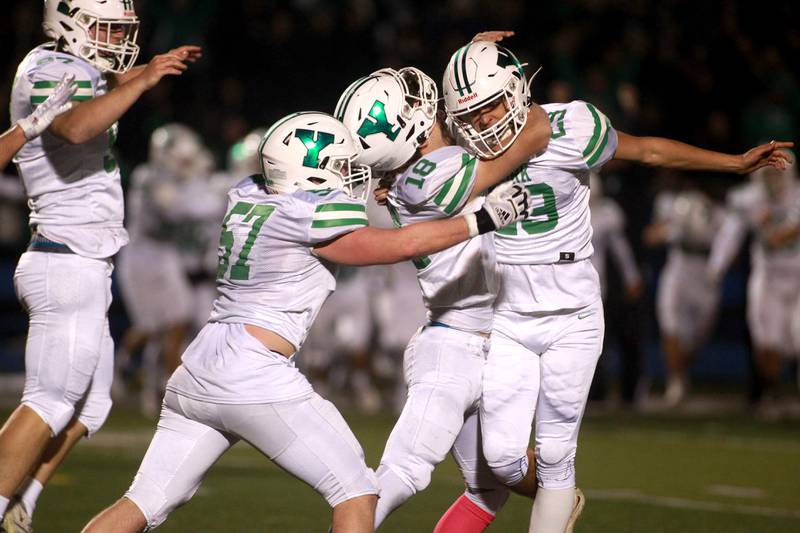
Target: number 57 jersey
(268,275)
(557,236)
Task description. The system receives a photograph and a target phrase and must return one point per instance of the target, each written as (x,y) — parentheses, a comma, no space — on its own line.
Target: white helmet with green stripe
(480,74)
(390,113)
(103,32)
(312,151)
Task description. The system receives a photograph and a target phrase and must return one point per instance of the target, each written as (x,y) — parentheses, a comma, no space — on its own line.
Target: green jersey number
(557,123)
(255,215)
(422,169)
(535,224)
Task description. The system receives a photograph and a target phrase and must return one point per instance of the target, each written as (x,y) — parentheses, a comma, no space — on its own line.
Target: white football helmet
(390,113)
(482,74)
(692,216)
(312,151)
(178,150)
(103,32)
(244,158)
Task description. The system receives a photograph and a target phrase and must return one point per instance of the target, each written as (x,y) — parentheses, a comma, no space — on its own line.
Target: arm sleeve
(726,244)
(588,141)
(444,189)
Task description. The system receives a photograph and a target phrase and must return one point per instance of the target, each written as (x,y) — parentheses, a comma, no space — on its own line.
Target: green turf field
(640,474)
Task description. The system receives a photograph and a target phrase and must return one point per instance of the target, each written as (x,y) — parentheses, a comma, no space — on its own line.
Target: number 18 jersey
(458,284)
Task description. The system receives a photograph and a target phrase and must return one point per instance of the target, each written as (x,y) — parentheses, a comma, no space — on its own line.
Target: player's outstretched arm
(188,52)
(532,140)
(33,125)
(89,119)
(376,246)
(667,153)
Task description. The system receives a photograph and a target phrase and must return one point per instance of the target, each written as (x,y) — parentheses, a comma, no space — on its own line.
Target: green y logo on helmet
(127,5)
(381,124)
(507,59)
(313,146)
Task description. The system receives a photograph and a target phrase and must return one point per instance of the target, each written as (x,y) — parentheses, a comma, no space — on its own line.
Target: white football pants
(69,355)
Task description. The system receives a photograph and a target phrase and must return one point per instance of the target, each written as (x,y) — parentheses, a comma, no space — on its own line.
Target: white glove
(506,204)
(34,124)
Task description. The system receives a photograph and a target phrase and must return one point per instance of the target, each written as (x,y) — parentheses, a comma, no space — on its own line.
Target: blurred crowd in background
(721,75)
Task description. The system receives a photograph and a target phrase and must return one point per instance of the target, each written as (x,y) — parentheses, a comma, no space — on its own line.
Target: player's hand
(188,52)
(57,103)
(160,66)
(381,194)
(770,154)
(506,204)
(494,36)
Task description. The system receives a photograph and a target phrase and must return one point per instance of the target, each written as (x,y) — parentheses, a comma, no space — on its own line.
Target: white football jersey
(176,212)
(74,191)
(692,225)
(458,284)
(268,275)
(752,209)
(544,259)
(559,227)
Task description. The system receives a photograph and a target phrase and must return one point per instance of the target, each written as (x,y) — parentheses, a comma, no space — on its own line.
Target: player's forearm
(667,153)
(119,79)
(93,117)
(532,140)
(10,143)
(376,246)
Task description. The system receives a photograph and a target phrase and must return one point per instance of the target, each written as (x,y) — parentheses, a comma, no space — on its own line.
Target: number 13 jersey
(557,236)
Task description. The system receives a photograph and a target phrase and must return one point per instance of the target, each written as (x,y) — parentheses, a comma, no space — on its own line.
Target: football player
(394,115)
(608,238)
(548,325)
(769,208)
(30,127)
(165,205)
(608,235)
(73,185)
(284,231)
(686,303)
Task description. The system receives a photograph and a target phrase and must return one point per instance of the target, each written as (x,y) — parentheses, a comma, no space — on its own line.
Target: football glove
(34,124)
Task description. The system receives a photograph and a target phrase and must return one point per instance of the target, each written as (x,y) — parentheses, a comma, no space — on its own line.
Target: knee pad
(512,473)
(555,465)
(336,492)
(94,412)
(152,501)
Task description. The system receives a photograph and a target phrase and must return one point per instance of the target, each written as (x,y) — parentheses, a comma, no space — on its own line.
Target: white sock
(551,510)
(393,494)
(29,494)
(3,505)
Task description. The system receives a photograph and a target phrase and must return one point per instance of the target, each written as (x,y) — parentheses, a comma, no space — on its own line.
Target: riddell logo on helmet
(467,98)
